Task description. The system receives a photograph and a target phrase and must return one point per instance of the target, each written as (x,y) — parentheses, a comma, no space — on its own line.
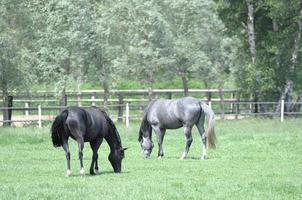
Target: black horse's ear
(124,149)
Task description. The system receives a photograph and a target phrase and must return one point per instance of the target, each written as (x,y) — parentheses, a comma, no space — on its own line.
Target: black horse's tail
(57,129)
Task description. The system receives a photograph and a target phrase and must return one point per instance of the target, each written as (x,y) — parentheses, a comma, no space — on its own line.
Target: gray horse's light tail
(211,137)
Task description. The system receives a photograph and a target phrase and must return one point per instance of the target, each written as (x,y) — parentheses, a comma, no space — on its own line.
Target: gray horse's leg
(160,134)
(188,135)
(67,153)
(201,130)
(95,145)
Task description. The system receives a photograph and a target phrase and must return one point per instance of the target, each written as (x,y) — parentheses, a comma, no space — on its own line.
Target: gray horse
(165,114)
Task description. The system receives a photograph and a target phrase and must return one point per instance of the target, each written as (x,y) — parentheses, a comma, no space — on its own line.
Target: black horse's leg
(200,127)
(189,140)
(160,133)
(81,147)
(67,153)
(95,145)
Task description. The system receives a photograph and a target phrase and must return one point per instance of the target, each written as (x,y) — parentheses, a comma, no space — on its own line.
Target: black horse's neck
(113,139)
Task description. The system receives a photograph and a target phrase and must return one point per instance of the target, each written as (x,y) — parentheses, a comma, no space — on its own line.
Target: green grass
(255,159)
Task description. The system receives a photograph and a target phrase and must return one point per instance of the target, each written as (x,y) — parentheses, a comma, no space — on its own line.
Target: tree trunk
(63,99)
(5,104)
(151,86)
(106,92)
(104,82)
(185,83)
(221,95)
(297,42)
(252,45)
(298,104)
(286,95)
(288,88)
(251,29)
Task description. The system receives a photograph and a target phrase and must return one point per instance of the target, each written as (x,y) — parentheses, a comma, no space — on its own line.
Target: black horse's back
(57,128)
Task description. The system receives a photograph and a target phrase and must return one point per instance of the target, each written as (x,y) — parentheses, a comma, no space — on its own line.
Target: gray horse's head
(147,146)
(145,137)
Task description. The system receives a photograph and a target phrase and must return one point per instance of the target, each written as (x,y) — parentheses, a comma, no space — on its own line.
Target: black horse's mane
(112,127)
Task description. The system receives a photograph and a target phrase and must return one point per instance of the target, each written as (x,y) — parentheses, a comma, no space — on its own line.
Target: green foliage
(167,43)
(276,27)
(14,38)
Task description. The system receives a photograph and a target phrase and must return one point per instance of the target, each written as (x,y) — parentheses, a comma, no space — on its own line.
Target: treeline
(254,44)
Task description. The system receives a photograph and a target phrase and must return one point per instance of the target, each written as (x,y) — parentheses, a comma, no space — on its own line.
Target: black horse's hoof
(92,172)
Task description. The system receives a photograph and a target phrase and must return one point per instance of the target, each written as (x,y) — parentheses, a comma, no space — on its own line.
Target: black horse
(87,125)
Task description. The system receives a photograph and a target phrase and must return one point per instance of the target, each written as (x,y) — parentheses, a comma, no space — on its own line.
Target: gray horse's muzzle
(147,153)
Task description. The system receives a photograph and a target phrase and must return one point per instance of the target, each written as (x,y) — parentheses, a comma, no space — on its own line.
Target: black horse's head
(115,157)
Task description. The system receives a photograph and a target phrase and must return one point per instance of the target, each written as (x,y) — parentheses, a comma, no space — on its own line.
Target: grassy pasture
(255,159)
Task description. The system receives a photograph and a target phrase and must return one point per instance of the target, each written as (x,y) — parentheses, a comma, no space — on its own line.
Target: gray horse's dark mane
(145,124)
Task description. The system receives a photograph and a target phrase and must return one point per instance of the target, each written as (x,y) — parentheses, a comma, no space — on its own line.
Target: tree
(14,37)
(276,27)
(65,34)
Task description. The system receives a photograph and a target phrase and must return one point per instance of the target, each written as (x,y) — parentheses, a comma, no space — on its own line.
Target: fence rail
(130,111)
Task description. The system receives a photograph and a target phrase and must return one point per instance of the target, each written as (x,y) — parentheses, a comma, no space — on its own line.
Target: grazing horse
(186,112)
(87,125)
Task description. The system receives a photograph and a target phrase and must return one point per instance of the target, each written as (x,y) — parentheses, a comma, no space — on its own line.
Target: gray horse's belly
(168,123)
(172,126)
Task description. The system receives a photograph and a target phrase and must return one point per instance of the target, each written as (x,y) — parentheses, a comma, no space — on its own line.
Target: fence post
(150,94)
(7,112)
(127,115)
(26,108)
(93,97)
(40,116)
(237,105)
(232,104)
(120,107)
(221,95)
(282,110)
(210,104)
(209,96)
(79,99)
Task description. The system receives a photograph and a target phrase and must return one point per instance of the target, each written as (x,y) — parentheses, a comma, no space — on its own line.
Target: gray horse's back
(172,114)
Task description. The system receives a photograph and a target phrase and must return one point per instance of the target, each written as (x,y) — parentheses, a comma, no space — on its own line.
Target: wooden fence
(117,99)
(233,110)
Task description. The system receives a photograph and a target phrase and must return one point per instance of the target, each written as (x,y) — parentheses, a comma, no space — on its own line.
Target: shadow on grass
(99,174)
(187,158)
